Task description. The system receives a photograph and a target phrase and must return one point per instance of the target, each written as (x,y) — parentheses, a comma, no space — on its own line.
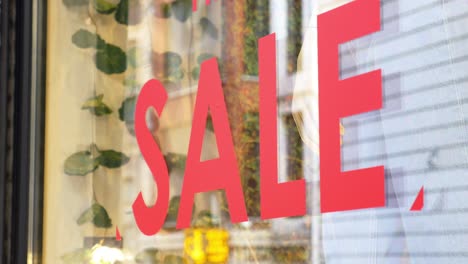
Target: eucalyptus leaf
(85,39)
(175,161)
(148,256)
(208,27)
(200,59)
(182,9)
(112,159)
(127,110)
(121,15)
(111,59)
(172,66)
(104,6)
(165,11)
(80,164)
(93,102)
(173,259)
(100,110)
(172,59)
(196,72)
(96,106)
(127,113)
(101,44)
(175,76)
(97,215)
(129,12)
(203,57)
(167,66)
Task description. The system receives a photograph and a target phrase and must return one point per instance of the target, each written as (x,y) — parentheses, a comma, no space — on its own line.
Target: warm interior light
(107,255)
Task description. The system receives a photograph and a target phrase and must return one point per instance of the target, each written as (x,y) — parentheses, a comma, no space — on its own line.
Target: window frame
(23,70)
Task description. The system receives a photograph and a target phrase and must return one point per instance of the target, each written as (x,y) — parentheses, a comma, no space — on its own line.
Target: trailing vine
(111,59)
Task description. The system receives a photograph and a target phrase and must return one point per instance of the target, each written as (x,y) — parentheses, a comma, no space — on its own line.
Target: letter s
(150,219)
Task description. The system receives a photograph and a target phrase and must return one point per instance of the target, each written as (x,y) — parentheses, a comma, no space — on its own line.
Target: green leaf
(127,113)
(172,60)
(112,159)
(74,3)
(111,59)
(203,57)
(196,72)
(85,39)
(148,256)
(93,102)
(182,9)
(78,256)
(176,75)
(127,110)
(80,164)
(121,15)
(208,27)
(175,161)
(200,59)
(173,259)
(96,106)
(97,215)
(129,12)
(165,11)
(101,110)
(172,63)
(104,7)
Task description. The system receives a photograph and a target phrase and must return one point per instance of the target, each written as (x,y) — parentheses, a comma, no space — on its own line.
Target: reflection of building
(78,71)
(244,23)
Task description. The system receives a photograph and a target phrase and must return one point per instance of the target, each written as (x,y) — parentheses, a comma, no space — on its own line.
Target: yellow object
(206,245)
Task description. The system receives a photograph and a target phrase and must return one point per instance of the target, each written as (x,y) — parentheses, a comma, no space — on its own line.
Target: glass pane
(100,53)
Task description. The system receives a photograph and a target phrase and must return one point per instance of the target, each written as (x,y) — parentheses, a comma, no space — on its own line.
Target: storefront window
(104,51)
(100,53)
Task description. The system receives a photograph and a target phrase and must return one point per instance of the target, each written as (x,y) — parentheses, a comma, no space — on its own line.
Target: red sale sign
(340,98)
(340,191)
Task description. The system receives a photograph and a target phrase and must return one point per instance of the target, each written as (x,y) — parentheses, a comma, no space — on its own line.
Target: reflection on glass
(103,53)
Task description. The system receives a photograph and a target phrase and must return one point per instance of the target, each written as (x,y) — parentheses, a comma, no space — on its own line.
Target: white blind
(420,136)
